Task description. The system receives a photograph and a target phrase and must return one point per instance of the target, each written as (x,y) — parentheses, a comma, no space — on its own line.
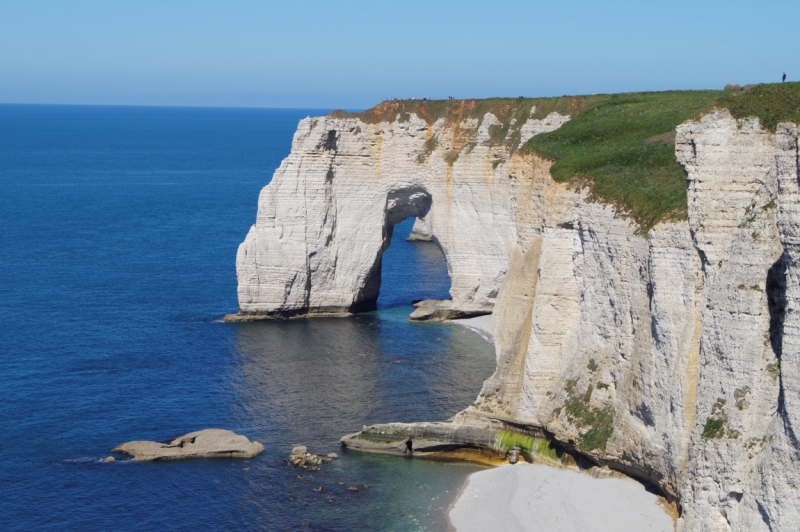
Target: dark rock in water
(208,443)
(300,457)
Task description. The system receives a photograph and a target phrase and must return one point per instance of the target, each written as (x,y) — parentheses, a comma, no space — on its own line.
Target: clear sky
(353,54)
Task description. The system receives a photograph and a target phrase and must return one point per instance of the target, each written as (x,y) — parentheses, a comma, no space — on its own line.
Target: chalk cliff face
(673,356)
(327,216)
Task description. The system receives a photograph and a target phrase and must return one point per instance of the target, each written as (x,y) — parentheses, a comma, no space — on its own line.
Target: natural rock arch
(326,218)
(414,202)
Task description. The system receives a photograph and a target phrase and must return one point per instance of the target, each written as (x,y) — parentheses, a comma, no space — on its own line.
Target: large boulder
(208,443)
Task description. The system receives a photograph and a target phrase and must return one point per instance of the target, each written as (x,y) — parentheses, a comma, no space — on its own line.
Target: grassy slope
(620,145)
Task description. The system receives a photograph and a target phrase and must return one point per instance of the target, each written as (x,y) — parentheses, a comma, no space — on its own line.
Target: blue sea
(118,236)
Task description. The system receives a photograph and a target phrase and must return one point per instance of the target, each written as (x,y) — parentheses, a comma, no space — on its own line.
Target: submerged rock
(108,459)
(208,443)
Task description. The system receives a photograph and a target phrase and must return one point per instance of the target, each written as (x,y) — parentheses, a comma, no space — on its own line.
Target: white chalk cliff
(673,356)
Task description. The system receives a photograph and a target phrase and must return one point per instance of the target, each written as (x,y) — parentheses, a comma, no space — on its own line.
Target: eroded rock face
(673,356)
(327,216)
(742,472)
(596,330)
(668,356)
(208,443)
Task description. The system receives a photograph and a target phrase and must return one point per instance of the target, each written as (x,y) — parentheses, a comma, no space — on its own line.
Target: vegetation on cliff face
(456,111)
(717,423)
(510,112)
(507,440)
(622,146)
(595,423)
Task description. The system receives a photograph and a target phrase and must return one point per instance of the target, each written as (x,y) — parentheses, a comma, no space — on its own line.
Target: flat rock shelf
(208,443)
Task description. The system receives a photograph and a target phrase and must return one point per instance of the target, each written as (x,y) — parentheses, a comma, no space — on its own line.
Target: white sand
(482,325)
(528,497)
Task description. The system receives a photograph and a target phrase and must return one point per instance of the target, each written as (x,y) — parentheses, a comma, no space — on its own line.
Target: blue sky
(353,54)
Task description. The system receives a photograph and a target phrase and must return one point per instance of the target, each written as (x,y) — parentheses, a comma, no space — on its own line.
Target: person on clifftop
(784,78)
(409,447)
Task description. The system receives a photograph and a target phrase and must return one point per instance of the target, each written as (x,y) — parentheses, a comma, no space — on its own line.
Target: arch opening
(405,270)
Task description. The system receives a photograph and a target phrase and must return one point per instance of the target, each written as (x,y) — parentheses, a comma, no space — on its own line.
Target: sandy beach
(482,325)
(529,497)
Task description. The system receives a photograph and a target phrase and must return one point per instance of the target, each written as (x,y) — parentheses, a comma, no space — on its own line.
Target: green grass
(622,147)
(510,112)
(714,428)
(505,109)
(740,394)
(718,420)
(772,103)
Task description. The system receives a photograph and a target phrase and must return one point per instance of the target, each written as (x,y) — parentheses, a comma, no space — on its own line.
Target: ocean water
(119,228)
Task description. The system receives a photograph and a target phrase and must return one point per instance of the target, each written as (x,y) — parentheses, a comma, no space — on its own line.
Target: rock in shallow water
(300,457)
(208,443)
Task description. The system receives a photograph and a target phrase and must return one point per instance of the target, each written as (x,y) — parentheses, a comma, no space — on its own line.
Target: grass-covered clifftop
(772,103)
(620,145)
(623,147)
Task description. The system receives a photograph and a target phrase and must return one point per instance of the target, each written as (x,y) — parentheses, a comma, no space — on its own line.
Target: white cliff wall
(326,217)
(597,330)
(743,213)
(673,356)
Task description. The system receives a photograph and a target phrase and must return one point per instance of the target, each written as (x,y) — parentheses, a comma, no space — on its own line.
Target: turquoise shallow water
(120,228)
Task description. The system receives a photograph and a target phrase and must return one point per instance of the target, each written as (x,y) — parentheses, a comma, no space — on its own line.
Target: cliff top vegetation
(772,103)
(619,145)
(623,147)
(454,111)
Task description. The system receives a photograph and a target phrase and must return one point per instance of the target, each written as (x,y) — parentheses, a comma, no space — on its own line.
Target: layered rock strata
(326,218)
(673,356)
